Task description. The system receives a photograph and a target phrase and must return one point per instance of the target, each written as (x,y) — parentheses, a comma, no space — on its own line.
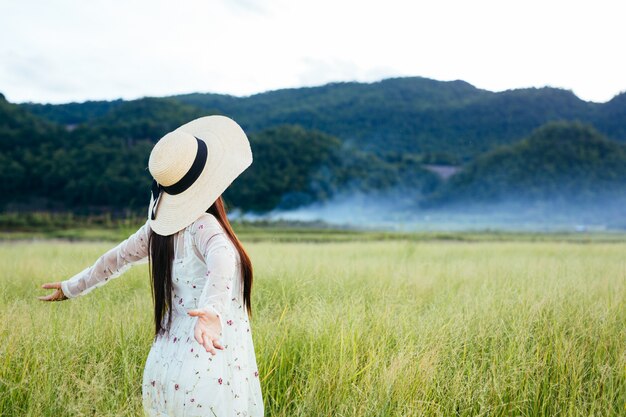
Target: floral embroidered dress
(180,378)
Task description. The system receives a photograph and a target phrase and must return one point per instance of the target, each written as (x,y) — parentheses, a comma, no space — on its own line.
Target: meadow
(344,327)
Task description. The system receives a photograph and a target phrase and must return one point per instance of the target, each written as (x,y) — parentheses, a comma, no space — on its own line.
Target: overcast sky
(61,50)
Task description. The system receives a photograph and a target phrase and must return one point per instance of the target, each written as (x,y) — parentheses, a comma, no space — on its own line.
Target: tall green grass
(395,328)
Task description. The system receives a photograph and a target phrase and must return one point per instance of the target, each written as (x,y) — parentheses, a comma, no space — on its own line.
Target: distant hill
(24,139)
(72,113)
(47,167)
(612,116)
(414,114)
(19,127)
(145,119)
(102,165)
(313,143)
(441,121)
(560,161)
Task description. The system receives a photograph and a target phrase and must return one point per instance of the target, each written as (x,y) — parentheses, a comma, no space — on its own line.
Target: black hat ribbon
(185,182)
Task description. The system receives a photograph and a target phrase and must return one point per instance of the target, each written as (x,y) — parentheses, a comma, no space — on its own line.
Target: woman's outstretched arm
(221,260)
(116,261)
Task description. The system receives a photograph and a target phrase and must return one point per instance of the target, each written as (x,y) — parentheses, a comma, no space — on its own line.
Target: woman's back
(179,374)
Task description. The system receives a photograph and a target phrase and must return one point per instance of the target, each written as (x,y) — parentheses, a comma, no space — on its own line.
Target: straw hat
(191,167)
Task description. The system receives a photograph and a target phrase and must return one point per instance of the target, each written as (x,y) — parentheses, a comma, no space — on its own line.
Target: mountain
(46,166)
(24,139)
(313,143)
(417,115)
(72,113)
(102,164)
(560,161)
(612,116)
(21,128)
(144,119)
(441,121)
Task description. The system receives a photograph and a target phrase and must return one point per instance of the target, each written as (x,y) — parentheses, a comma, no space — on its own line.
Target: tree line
(311,143)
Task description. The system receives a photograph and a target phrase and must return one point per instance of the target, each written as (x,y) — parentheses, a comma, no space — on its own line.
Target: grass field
(345,328)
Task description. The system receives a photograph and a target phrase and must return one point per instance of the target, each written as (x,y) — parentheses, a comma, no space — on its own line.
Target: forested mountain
(612,118)
(45,166)
(72,113)
(24,139)
(560,161)
(145,119)
(451,119)
(102,164)
(442,121)
(315,142)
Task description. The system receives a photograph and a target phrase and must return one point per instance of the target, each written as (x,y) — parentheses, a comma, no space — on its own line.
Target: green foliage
(286,158)
(72,113)
(407,114)
(48,167)
(144,119)
(102,165)
(25,140)
(19,129)
(417,115)
(309,143)
(568,161)
(611,120)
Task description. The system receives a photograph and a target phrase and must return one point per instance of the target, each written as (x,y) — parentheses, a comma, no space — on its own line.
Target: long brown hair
(161,258)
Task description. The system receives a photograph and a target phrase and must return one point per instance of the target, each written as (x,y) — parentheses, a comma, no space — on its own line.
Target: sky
(57,51)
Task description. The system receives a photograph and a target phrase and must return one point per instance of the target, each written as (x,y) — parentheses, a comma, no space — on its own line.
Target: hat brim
(229,154)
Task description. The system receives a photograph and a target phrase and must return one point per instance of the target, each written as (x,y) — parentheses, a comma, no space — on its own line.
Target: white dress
(180,378)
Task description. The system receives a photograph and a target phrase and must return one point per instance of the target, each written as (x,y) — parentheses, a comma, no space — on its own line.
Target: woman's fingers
(218,344)
(203,313)
(197,334)
(204,339)
(208,344)
(55,296)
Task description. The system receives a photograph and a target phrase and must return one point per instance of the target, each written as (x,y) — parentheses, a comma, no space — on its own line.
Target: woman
(202,360)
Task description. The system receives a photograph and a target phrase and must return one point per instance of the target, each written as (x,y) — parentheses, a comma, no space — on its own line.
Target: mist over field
(399,209)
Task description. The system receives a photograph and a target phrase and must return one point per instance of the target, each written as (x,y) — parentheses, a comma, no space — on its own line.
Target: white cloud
(64,50)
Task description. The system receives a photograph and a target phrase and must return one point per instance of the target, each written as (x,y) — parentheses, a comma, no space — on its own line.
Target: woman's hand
(56,295)
(208,329)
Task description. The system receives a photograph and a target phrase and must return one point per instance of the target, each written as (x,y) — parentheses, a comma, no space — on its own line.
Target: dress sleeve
(132,251)
(220,257)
